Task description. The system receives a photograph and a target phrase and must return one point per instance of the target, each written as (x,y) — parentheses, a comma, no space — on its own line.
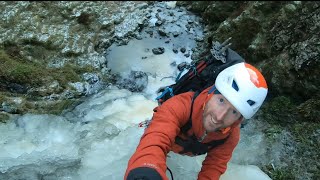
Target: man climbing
(204,123)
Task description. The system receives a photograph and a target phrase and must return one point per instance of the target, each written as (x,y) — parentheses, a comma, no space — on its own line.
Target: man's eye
(221,100)
(234,112)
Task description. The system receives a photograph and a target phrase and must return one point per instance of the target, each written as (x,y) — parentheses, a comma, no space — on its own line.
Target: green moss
(273,132)
(12,49)
(196,7)
(269,8)
(53,107)
(278,174)
(4,117)
(13,70)
(281,110)
(2,98)
(20,72)
(70,73)
(4,57)
(84,18)
(59,107)
(305,133)
(64,75)
(242,33)
(4,95)
(278,111)
(84,69)
(71,54)
(283,114)
(309,110)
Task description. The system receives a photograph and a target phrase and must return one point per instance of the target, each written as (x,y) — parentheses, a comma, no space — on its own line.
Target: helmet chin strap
(212,91)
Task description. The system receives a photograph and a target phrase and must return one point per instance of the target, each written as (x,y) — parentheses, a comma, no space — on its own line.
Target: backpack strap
(195,147)
(185,128)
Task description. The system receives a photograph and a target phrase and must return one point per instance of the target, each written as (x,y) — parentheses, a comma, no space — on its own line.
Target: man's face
(219,113)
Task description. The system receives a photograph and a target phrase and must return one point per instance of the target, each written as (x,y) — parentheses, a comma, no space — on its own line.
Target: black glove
(143,173)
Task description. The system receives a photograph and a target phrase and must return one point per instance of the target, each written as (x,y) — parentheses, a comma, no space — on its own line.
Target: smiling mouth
(213,121)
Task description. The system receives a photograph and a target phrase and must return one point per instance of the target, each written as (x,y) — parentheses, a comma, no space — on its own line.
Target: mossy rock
(301,122)
(4,117)
(279,173)
(18,71)
(31,74)
(47,107)
(309,110)
(278,111)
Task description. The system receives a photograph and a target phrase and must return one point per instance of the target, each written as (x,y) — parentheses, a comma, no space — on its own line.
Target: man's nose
(222,114)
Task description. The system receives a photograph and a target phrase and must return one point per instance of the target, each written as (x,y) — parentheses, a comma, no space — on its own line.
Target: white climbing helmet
(244,87)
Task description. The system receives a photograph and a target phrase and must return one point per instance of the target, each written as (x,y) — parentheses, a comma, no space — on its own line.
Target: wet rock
(17,88)
(173,63)
(84,18)
(198,39)
(158,17)
(69,94)
(159,23)
(137,81)
(93,83)
(54,87)
(157,51)
(188,26)
(148,15)
(4,116)
(175,50)
(45,90)
(8,108)
(118,20)
(122,41)
(175,34)
(12,105)
(182,66)
(162,32)
(91,78)
(80,88)
(138,37)
(150,32)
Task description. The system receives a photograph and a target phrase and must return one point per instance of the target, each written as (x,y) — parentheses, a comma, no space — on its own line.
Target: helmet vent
(250,102)
(235,86)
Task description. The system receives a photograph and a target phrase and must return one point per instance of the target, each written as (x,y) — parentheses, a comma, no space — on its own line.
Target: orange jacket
(159,138)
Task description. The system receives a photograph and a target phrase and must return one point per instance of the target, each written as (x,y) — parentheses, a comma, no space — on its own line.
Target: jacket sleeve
(216,160)
(158,138)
